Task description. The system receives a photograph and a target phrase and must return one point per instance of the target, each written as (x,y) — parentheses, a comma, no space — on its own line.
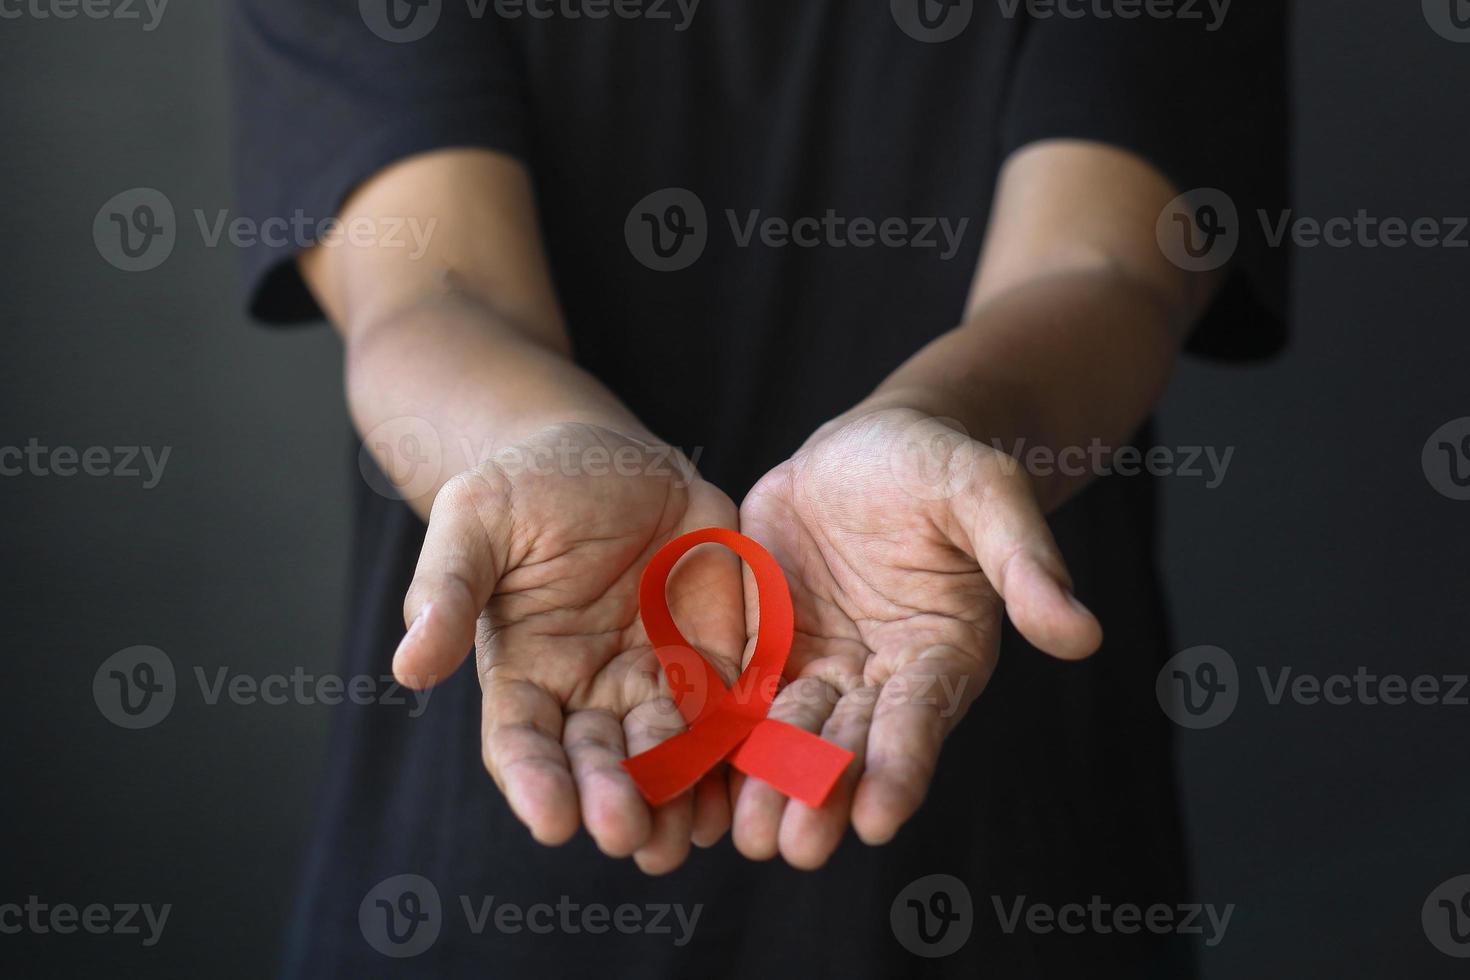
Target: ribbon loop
(732,726)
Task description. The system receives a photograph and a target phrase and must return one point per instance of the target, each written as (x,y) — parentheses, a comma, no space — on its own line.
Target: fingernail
(414,628)
(418,621)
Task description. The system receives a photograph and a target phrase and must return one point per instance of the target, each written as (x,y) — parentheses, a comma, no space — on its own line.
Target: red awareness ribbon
(732,726)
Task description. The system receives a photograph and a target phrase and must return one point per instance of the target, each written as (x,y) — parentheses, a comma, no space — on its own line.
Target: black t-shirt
(783,199)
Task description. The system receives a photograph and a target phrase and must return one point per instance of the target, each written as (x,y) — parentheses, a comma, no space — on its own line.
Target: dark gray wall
(236,558)
(1326,548)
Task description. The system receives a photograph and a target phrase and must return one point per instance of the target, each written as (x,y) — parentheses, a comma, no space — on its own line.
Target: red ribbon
(733,726)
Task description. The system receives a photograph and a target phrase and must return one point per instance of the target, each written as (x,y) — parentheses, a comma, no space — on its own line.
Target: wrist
(983,410)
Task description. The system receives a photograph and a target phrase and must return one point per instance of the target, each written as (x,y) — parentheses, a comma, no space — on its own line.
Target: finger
(806,703)
(672,824)
(612,809)
(916,708)
(461,562)
(711,808)
(808,835)
(522,735)
(668,843)
(704,594)
(1007,534)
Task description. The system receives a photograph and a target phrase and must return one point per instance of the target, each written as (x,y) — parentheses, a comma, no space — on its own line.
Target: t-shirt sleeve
(1205,100)
(328,92)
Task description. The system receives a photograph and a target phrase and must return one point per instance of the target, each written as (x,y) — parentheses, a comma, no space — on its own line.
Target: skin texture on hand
(904,542)
(534,559)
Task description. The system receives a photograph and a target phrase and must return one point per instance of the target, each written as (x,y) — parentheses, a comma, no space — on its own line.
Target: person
(825,273)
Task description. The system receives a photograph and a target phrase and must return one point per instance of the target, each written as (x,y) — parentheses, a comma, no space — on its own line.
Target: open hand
(533,559)
(903,540)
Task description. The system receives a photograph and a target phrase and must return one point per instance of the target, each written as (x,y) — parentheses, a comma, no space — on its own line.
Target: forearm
(459,351)
(461,374)
(1075,317)
(1057,363)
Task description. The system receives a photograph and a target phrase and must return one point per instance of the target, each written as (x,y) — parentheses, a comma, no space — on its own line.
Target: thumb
(1005,531)
(463,559)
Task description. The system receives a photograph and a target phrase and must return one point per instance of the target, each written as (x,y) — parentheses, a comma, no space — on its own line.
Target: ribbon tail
(803,766)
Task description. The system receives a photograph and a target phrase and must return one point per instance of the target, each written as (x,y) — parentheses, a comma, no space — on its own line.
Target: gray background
(1325,548)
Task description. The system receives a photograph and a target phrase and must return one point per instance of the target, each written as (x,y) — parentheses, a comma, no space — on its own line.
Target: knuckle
(472,493)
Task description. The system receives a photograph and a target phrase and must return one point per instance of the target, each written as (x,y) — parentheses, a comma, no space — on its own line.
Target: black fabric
(1058,786)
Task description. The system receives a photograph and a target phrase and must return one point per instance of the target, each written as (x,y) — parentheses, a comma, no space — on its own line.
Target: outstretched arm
(544,496)
(907,527)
